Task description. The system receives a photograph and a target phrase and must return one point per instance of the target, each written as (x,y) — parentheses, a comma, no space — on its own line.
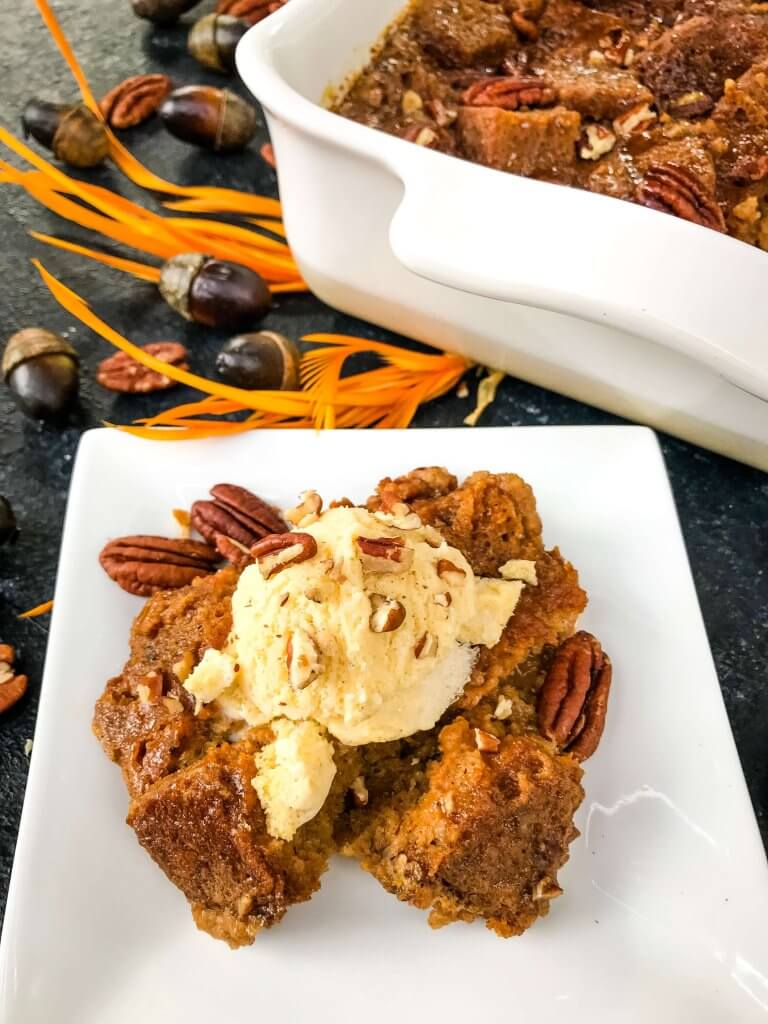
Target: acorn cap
(176,277)
(31,343)
(291,358)
(213,40)
(80,138)
(238,122)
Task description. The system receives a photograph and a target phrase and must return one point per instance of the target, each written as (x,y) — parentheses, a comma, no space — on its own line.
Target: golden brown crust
(488,834)
(491,518)
(145,719)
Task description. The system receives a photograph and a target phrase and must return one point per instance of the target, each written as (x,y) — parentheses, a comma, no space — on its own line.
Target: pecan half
(384,554)
(143,565)
(573,699)
(122,373)
(674,189)
(134,100)
(12,686)
(510,92)
(251,11)
(278,551)
(234,521)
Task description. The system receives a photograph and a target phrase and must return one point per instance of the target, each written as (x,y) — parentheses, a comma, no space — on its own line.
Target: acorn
(162,12)
(213,40)
(41,371)
(8,529)
(214,292)
(75,135)
(263,361)
(212,118)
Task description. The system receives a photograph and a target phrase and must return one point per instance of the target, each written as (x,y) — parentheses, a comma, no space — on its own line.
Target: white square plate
(665,912)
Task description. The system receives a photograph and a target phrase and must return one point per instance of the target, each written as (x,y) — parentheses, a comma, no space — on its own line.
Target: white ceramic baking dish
(634,311)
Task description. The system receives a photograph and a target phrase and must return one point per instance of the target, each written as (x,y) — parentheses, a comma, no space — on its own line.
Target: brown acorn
(162,12)
(263,361)
(213,41)
(212,118)
(214,292)
(41,371)
(75,135)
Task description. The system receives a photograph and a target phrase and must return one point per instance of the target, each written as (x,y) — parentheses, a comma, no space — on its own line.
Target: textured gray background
(722,504)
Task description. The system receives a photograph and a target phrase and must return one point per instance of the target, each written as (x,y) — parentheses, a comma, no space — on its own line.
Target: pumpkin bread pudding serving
(398,682)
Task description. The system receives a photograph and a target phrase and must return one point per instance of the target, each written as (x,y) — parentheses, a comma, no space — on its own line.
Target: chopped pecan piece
(690,105)
(674,189)
(307,511)
(449,572)
(134,100)
(509,92)
(143,565)
(485,742)
(384,554)
(596,141)
(302,658)
(422,135)
(573,699)
(278,551)
(387,614)
(121,372)
(234,521)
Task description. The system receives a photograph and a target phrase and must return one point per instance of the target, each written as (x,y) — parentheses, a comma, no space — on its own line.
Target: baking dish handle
(694,290)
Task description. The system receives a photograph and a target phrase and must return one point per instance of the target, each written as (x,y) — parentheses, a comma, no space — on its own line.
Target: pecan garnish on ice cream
(674,189)
(234,521)
(278,551)
(384,554)
(143,564)
(573,699)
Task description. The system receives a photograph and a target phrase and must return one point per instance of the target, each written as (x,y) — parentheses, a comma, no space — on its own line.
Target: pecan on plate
(134,100)
(234,521)
(573,699)
(508,92)
(12,686)
(278,551)
(143,565)
(249,10)
(121,372)
(674,189)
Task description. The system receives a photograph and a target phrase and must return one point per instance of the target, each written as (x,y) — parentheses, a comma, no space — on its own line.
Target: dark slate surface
(722,504)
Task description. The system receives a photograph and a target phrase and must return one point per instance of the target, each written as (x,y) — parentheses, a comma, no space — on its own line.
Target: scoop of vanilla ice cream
(293,775)
(370,637)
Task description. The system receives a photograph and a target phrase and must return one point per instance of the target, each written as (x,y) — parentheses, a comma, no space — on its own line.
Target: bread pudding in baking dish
(398,682)
(660,102)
